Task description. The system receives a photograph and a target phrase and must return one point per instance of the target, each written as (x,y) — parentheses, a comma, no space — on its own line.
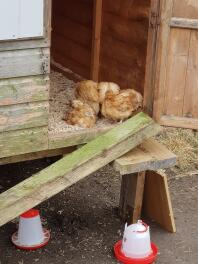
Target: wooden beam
(184,23)
(76,166)
(97,25)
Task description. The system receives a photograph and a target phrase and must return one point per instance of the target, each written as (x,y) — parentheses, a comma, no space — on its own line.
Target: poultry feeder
(30,235)
(136,247)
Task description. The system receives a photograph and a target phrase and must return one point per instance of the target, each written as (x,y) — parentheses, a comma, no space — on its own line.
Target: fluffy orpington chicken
(87,91)
(121,106)
(82,114)
(104,87)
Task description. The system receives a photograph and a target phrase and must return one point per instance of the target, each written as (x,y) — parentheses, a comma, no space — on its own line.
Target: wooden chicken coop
(46,46)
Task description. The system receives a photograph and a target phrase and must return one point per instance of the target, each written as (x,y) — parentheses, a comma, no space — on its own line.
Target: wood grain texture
(36,155)
(71,50)
(176,94)
(186,9)
(150,155)
(190,104)
(24,90)
(157,201)
(18,142)
(70,64)
(72,35)
(96,39)
(75,166)
(175,121)
(177,64)
(124,42)
(184,23)
(75,138)
(166,7)
(154,24)
(23,116)
(139,193)
(20,63)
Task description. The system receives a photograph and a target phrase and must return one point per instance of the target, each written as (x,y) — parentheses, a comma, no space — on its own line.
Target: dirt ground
(84,223)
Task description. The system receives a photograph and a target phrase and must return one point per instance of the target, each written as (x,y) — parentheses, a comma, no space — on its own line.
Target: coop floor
(84,223)
(62,92)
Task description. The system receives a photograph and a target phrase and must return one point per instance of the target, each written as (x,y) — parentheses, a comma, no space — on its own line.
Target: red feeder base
(15,241)
(125,260)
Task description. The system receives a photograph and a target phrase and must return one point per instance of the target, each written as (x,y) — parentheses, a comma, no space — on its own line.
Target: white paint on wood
(31,18)
(21,19)
(9,11)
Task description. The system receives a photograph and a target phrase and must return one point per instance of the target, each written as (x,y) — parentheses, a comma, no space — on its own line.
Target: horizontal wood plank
(23,116)
(24,90)
(75,166)
(75,138)
(20,63)
(150,155)
(23,141)
(36,155)
(184,23)
(176,121)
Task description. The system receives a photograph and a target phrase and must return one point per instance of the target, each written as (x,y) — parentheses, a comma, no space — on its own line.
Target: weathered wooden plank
(175,121)
(131,196)
(37,155)
(157,202)
(184,23)
(24,44)
(150,155)
(176,71)
(24,90)
(76,166)
(162,52)
(75,137)
(20,63)
(23,116)
(190,107)
(23,141)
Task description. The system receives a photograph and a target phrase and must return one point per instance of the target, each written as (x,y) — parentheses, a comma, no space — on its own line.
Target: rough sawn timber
(76,166)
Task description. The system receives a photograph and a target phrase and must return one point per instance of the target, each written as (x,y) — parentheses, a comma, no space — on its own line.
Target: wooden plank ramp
(76,166)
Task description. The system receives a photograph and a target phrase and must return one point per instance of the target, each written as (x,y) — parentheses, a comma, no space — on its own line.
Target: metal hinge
(154,20)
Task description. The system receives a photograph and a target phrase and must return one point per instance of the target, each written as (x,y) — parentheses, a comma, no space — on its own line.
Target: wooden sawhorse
(144,184)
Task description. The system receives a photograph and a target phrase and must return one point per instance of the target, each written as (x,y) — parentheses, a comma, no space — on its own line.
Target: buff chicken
(120,106)
(82,114)
(87,92)
(105,87)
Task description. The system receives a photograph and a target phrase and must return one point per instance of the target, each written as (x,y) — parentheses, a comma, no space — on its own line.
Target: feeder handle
(146,227)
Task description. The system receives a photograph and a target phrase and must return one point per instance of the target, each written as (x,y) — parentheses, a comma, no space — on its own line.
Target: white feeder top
(138,227)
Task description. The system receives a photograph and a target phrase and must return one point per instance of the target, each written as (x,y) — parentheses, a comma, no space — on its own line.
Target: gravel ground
(84,223)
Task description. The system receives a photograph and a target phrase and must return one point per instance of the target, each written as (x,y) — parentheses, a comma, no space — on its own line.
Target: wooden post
(97,24)
(151,57)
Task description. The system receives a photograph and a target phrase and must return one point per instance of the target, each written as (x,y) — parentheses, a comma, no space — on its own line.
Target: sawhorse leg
(150,191)
(131,196)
